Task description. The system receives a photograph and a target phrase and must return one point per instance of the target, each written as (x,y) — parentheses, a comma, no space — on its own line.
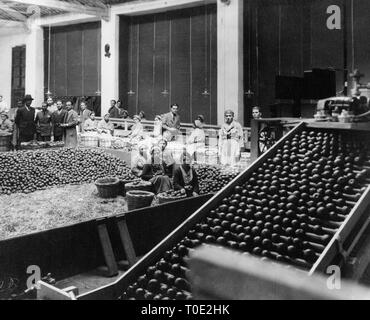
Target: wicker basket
(143,186)
(162,199)
(107,187)
(139,199)
(5,140)
(122,186)
(89,141)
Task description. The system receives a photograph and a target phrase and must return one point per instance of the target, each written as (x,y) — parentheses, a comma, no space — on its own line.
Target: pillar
(35,64)
(230,59)
(109,65)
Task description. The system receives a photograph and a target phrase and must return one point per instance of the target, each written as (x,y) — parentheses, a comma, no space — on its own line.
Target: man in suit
(70,125)
(171,123)
(25,120)
(44,123)
(57,119)
(84,115)
(114,112)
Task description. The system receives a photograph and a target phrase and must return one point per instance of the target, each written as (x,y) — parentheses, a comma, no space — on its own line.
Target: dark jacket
(43,123)
(150,170)
(114,113)
(57,119)
(25,120)
(179,184)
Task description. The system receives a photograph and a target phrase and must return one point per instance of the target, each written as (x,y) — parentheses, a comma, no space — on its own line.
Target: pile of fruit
(287,211)
(213,178)
(28,171)
(173,195)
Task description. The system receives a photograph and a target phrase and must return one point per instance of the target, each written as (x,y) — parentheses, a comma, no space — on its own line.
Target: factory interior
(184,150)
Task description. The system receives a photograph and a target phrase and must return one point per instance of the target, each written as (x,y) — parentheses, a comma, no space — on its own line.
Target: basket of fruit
(90,140)
(123,181)
(107,187)
(170,196)
(137,199)
(139,185)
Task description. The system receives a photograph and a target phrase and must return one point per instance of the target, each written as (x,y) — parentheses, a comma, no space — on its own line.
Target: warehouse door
(18,74)
(169,58)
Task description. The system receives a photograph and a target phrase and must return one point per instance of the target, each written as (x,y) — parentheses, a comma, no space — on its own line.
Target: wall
(168,51)
(7,42)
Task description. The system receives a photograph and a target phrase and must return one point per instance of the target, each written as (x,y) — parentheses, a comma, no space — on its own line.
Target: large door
(169,58)
(18,74)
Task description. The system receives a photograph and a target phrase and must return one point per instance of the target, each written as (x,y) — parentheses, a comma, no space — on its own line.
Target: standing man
(25,120)
(57,119)
(84,115)
(51,105)
(44,123)
(114,112)
(171,123)
(231,135)
(70,125)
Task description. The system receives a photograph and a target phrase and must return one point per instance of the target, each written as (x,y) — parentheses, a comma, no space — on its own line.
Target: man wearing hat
(25,120)
(44,123)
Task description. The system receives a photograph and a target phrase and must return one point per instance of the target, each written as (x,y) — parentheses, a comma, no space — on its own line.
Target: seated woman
(90,124)
(167,158)
(106,126)
(185,178)
(155,172)
(6,126)
(140,161)
(197,138)
(137,131)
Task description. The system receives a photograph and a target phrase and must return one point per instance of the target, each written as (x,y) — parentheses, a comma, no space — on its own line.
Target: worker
(57,118)
(185,177)
(256,113)
(51,105)
(154,172)
(106,126)
(25,120)
(44,123)
(113,111)
(167,157)
(90,124)
(142,115)
(6,126)
(197,139)
(137,131)
(171,123)
(84,115)
(70,124)
(231,136)
(140,160)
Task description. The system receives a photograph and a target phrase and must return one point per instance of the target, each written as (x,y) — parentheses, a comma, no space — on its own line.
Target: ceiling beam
(12,12)
(101,12)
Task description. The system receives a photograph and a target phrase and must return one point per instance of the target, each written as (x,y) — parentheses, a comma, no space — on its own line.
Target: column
(230,59)
(35,64)
(109,65)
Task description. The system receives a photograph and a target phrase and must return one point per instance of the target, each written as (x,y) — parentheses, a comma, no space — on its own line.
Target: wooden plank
(108,253)
(126,241)
(49,292)
(227,275)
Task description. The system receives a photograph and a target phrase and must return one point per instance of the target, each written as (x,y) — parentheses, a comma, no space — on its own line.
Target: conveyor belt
(298,204)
